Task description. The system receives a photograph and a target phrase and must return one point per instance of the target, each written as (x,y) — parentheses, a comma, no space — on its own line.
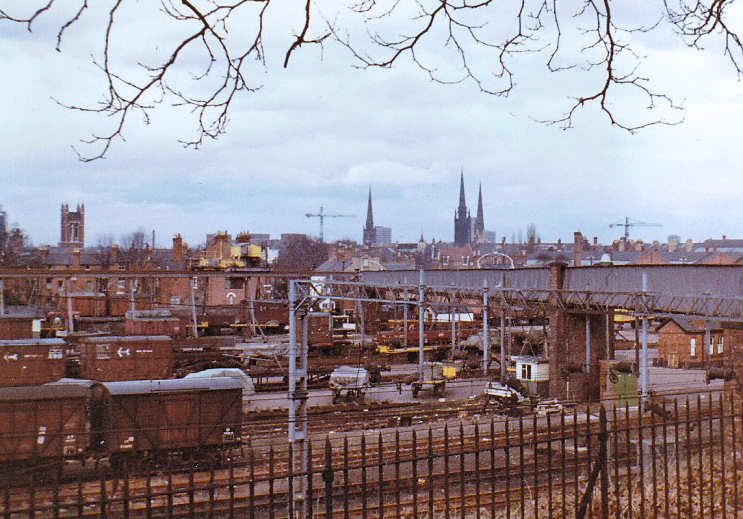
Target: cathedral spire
(479,219)
(462,209)
(462,219)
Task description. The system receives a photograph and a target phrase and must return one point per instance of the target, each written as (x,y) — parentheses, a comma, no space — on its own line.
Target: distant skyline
(320,132)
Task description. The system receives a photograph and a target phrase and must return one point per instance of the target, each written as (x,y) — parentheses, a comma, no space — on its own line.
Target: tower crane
(627,223)
(322,215)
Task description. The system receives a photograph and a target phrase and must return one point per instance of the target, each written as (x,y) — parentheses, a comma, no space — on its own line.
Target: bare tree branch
(451,41)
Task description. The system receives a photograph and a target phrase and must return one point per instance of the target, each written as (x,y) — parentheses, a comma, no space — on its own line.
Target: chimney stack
(221,239)
(76,258)
(577,248)
(177,248)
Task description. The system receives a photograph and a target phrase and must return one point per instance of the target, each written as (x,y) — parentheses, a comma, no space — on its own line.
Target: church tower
(370,237)
(462,219)
(72,226)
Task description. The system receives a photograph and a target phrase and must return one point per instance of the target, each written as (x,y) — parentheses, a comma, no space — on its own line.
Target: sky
(322,133)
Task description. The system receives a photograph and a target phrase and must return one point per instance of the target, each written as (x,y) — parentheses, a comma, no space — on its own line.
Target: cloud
(389,173)
(320,132)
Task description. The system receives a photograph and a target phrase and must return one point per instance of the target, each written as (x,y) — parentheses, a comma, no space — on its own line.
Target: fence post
(327,476)
(603,460)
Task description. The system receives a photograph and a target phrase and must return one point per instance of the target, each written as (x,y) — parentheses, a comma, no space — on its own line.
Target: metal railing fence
(680,458)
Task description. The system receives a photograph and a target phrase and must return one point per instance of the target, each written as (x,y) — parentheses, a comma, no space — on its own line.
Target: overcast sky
(321,132)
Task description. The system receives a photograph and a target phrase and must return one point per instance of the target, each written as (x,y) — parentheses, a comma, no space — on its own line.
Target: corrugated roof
(126,338)
(32,342)
(43,392)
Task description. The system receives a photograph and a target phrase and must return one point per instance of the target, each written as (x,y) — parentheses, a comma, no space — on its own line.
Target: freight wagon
(18,327)
(270,317)
(135,422)
(153,322)
(42,425)
(26,362)
(136,357)
(152,420)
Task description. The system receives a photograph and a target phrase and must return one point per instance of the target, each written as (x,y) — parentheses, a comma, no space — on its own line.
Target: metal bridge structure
(703,291)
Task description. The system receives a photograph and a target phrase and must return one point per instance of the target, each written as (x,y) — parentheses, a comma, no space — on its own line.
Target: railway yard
(363,414)
(392,454)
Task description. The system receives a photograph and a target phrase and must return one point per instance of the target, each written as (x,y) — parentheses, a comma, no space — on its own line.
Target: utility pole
(70,322)
(485,326)
(644,356)
(405,320)
(297,427)
(420,326)
(194,282)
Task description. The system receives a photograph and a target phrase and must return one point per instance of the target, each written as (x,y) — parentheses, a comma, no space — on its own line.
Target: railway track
(263,447)
(448,485)
(373,415)
(264,483)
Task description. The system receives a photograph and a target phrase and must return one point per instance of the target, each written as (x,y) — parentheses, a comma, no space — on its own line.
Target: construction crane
(627,223)
(322,215)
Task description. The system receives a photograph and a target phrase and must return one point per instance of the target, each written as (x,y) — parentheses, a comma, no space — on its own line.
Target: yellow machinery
(434,376)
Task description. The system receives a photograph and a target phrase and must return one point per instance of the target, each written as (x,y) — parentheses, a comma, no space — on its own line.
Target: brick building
(681,342)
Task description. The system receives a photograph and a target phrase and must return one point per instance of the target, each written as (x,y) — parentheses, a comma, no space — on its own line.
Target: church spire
(369,214)
(479,219)
(369,234)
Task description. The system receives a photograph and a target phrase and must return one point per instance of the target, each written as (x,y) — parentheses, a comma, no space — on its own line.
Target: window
(465,260)
(693,347)
(526,371)
(719,344)
(445,261)
(60,286)
(89,285)
(233,283)
(711,345)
